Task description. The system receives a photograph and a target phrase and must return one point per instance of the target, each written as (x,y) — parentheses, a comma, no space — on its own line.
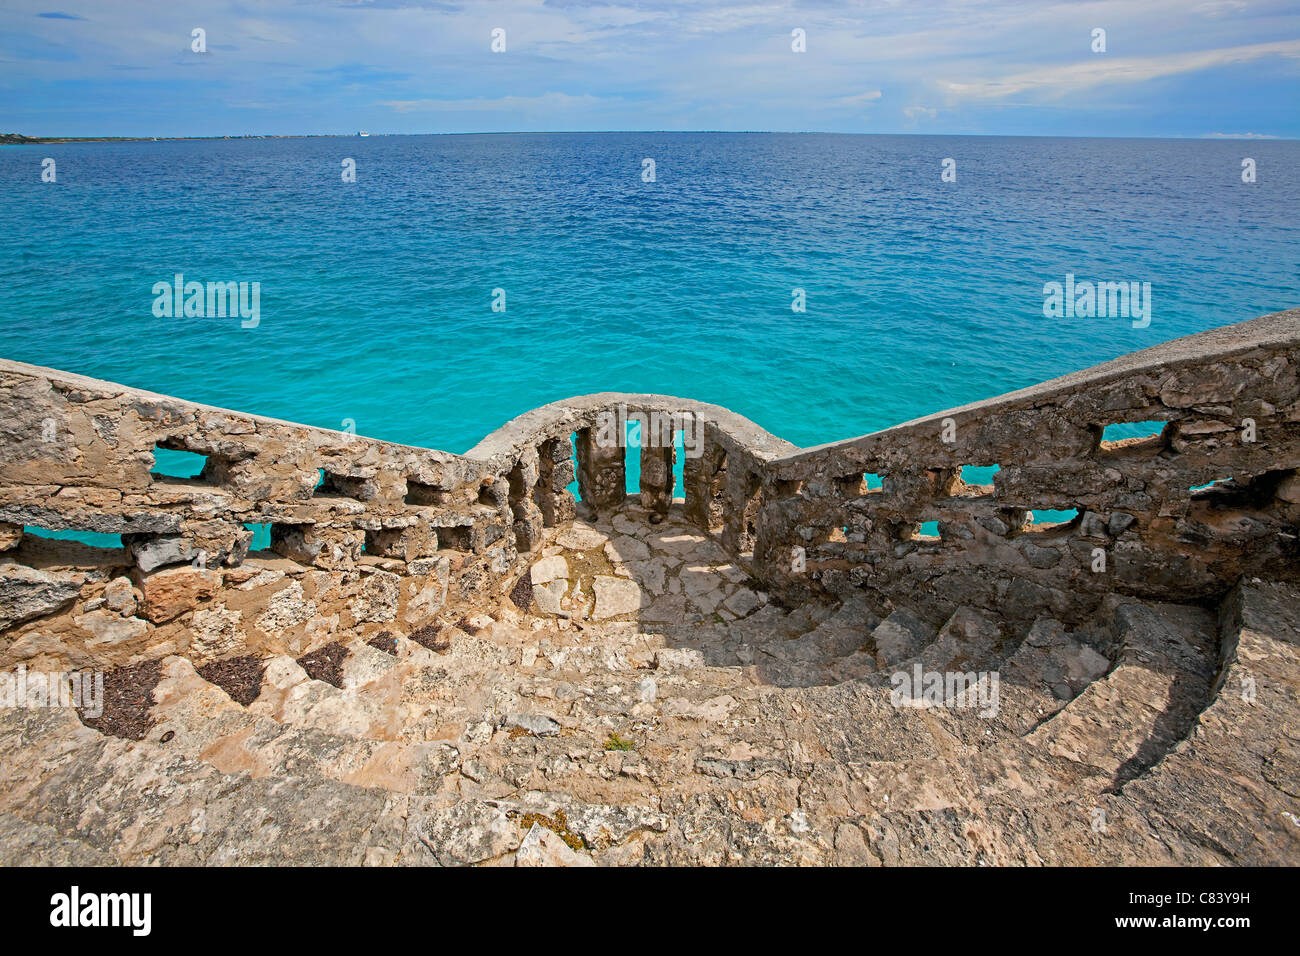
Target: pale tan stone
(174,591)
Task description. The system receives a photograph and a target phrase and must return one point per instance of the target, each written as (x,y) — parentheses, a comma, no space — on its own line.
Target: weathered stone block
(151,552)
(297,542)
(107,630)
(602,474)
(378,600)
(26,593)
(418,541)
(216,634)
(172,592)
(657,478)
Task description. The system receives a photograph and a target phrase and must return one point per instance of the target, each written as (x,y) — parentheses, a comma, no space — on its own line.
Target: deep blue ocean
(376,296)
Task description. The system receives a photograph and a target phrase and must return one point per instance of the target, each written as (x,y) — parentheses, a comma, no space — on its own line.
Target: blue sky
(1191,68)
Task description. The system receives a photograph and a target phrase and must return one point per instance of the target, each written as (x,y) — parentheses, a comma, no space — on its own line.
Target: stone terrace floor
(648,704)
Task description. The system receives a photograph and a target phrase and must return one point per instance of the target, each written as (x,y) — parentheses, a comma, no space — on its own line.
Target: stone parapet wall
(388,535)
(1229,401)
(79,455)
(365,535)
(350,520)
(724,456)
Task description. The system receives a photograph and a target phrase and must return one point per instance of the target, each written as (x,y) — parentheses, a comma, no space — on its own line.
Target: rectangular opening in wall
(655,431)
(332,485)
(753,487)
(1122,430)
(923,531)
(1216,481)
(679,465)
(572,487)
(518,486)
(385,542)
(979,475)
(1254,493)
(422,495)
(177,464)
(297,542)
(261,536)
(717,494)
(69,547)
(1131,434)
(1046,519)
(632,456)
(455,538)
(94,539)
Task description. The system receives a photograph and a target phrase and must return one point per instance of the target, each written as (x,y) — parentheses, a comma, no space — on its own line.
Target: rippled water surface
(376,296)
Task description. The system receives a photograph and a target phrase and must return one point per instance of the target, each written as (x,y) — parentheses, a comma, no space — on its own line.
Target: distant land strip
(12,139)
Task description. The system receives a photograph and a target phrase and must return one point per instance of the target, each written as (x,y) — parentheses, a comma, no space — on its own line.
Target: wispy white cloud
(1102,68)
(867,97)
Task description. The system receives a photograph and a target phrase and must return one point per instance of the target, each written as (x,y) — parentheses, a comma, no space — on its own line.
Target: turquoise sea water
(376,295)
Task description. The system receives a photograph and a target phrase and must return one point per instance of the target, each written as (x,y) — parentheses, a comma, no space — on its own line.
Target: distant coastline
(18,139)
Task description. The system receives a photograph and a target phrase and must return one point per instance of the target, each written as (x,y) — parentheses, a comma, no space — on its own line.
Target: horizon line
(57,139)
